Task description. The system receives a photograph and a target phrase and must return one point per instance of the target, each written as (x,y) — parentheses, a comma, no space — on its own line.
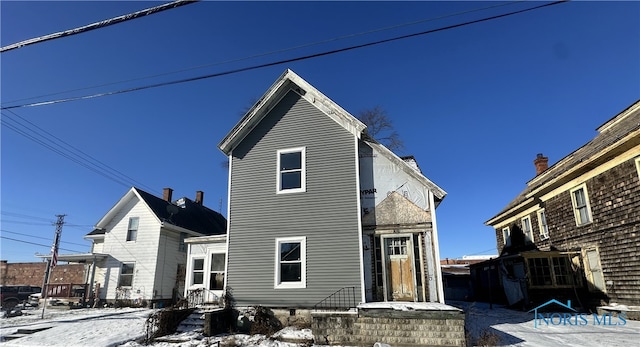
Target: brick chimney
(199,197)
(166,194)
(541,162)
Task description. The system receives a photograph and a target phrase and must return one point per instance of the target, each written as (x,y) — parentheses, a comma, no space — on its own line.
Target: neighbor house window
(580,201)
(126,275)
(638,166)
(132,229)
(197,273)
(544,228)
(506,236)
(291,170)
(527,230)
(216,278)
(290,265)
(552,271)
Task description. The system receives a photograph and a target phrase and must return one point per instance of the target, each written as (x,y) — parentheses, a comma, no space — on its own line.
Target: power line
(39,237)
(276,51)
(285,61)
(97,25)
(37,244)
(63,148)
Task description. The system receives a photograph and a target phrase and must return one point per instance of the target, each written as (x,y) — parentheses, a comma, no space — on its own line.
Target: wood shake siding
(614,198)
(326,214)
(615,205)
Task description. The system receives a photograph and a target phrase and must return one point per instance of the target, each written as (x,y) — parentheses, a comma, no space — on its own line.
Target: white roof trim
(286,82)
(102,223)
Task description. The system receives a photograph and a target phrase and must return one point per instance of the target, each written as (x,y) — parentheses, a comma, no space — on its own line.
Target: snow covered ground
(122,327)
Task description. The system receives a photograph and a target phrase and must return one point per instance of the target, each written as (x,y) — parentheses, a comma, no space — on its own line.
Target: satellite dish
(172,209)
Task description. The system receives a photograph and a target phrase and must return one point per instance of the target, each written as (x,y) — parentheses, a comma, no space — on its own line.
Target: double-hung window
(197,273)
(126,275)
(291,170)
(132,229)
(290,264)
(527,230)
(580,202)
(506,236)
(216,274)
(542,223)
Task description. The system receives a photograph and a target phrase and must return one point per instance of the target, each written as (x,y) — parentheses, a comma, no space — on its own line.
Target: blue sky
(473,104)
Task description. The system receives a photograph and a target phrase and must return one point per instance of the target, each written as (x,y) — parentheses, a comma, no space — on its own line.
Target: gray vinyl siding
(326,214)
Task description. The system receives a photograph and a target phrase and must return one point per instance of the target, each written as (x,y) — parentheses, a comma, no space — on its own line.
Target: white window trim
(528,234)
(543,235)
(207,282)
(133,274)
(576,214)
(638,166)
(133,239)
(192,270)
(303,175)
(303,257)
(506,236)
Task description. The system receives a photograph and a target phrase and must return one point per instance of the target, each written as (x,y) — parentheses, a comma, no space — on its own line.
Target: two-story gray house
(319,210)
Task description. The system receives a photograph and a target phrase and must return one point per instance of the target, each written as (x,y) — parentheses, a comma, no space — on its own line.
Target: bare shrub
(264,322)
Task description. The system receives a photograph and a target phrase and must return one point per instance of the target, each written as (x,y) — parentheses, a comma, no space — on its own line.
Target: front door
(400,278)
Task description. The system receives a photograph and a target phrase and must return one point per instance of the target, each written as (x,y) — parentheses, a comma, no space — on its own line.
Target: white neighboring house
(143,238)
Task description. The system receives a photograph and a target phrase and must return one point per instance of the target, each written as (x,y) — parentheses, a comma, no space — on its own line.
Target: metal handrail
(343,299)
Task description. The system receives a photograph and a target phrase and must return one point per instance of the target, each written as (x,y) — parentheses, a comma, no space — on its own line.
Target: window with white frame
(132,229)
(126,275)
(216,274)
(290,264)
(638,166)
(580,202)
(197,271)
(506,236)
(291,170)
(542,223)
(527,230)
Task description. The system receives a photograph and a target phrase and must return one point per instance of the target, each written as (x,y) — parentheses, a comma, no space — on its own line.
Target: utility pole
(51,263)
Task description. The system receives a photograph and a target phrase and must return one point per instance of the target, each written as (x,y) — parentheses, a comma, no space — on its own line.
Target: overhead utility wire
(98,25)
(285,61)
(274,52)
(58,151)
(59,146)
(40,237)
(38,244)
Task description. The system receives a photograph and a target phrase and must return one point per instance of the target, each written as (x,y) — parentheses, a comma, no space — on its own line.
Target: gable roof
(617,135)
(286,82)
(191,216)
(289,80)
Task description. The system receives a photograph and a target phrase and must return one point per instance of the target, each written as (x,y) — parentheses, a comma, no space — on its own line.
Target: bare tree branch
(380,127)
